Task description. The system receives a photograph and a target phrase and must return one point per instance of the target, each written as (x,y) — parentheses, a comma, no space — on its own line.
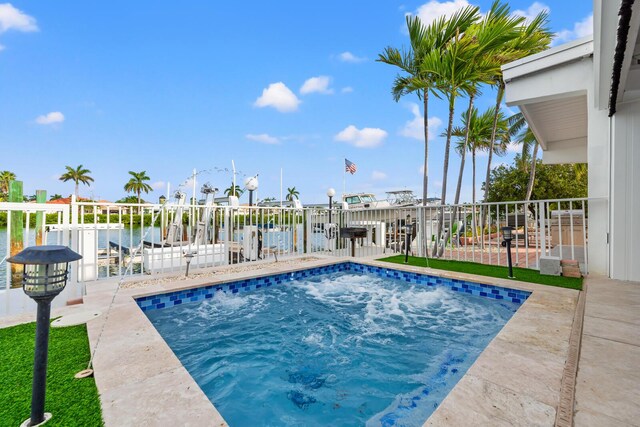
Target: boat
(175,251)
(363,201)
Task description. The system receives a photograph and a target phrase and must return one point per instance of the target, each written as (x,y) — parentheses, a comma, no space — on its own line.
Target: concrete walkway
(608,382)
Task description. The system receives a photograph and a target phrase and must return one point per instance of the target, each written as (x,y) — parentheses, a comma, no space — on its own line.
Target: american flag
(350,167)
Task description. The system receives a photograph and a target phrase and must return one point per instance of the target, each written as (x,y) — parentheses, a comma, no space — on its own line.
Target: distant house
(104,206)
(582,102)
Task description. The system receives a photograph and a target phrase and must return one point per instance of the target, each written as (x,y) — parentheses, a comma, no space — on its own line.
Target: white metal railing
(140,239)
(468,232)
(35,220)
(164,238)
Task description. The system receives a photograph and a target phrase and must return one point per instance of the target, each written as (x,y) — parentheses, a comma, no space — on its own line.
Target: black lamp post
(407,229)
(46,269)
(330,193)
(507,235)
(162,199)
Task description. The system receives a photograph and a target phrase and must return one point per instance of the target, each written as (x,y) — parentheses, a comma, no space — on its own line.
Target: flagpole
(344,177)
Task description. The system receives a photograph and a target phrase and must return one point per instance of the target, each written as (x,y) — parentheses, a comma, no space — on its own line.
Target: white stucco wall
(598,186)
(625,192)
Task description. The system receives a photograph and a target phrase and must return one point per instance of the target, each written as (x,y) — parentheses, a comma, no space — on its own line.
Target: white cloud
(263,138)
(378,176)
(580,29)
(433,9)
(278,96)
(415,128)
(350,57)
(158,185)
(361,138)
(532,11)
(318,84)
(346,89)
(1,48)
(50,118)
(14,19)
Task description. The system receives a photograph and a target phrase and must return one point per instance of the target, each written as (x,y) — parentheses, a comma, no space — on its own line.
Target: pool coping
(515,380)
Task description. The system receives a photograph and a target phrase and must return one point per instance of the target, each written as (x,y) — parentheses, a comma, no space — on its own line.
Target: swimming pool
(345,344)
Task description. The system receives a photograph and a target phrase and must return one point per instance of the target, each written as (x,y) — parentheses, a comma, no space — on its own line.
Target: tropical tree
(467,62)
(414,78)
(5,178)
(510,182)
(137,183)
(77,175)
(292,194)
(532,38)
(233,190)
(475,135)
(522,135)
(128,200)
(55,197)
(490,36)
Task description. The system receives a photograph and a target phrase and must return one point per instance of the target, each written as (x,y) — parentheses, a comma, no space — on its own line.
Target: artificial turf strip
(73,402)
(521,274)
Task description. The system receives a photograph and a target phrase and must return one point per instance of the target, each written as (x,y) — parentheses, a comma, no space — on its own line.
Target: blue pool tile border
(171,299)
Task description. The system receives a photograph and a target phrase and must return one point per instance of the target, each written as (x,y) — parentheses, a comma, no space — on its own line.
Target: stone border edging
(564,412)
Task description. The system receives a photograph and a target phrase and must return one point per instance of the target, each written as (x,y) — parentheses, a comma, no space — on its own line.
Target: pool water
(339,349)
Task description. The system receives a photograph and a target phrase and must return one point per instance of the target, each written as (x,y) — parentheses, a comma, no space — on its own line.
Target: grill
(353,233)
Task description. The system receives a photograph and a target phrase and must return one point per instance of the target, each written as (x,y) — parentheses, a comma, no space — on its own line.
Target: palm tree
(77,175)
(414,78)
(137,183)
(233,190)
(292,194)
(522,134)
(496,29)
(55,197)
(532,38)
(5,178)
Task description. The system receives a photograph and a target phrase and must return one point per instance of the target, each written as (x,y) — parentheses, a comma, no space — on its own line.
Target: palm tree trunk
(464,152)
(460,175)
(445,170)
(77,189)
(491,144)
(493,138)
(532,173)
(473,194)
(425,178)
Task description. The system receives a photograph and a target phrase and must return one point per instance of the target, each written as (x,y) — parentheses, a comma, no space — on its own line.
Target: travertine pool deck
(608,382)
(514,382)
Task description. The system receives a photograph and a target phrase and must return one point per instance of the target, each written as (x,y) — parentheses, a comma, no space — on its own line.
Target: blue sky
(167,87)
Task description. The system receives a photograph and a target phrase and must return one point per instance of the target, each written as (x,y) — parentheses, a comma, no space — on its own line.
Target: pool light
(46,269)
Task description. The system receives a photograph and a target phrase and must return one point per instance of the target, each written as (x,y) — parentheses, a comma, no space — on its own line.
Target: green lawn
(72,402)
(521,274)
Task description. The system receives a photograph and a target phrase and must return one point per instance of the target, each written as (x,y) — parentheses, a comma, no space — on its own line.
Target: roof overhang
(550,88)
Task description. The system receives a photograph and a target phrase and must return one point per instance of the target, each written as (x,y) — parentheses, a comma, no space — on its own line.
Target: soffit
(559,120)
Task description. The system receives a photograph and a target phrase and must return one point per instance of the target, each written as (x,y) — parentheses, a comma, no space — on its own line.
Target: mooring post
(41,197)
(17,225)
